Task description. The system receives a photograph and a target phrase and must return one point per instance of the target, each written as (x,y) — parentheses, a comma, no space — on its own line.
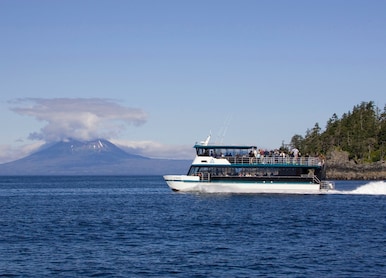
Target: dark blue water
(136,226)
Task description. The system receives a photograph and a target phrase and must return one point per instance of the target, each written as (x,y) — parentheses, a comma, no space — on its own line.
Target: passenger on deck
(295,153)
(276,154)
(250,156)
(258,155)
(282,156)
(262,155)
(255,154)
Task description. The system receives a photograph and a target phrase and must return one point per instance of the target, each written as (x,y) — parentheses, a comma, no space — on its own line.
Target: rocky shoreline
(356,172)
(339,167)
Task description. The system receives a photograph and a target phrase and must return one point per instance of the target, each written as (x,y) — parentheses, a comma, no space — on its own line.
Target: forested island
(354,144)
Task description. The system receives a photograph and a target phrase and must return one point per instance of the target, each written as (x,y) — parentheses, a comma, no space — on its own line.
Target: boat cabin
(247,161)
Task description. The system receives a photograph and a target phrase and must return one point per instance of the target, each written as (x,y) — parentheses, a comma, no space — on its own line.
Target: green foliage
(360,132)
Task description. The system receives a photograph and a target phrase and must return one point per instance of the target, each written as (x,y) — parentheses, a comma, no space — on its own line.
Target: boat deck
(277,161)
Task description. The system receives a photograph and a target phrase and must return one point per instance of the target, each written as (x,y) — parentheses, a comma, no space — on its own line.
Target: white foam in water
(371,188)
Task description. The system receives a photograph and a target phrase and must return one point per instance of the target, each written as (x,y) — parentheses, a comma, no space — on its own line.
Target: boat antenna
(224,129)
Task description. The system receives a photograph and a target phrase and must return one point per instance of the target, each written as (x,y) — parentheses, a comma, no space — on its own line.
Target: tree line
(360,132)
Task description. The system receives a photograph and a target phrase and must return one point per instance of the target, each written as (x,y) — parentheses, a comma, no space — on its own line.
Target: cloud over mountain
(155,150)
(78,118)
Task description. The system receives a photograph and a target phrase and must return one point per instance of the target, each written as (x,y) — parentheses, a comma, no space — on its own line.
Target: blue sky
(157,76)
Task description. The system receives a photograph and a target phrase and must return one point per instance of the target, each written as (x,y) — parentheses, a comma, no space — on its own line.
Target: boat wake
(371,188)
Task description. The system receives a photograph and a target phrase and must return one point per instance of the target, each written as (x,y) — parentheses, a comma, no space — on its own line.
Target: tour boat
(246,169)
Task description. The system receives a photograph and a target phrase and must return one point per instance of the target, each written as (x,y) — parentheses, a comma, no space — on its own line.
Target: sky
(158,76)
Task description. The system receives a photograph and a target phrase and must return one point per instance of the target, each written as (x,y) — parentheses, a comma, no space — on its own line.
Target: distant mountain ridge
(99,148)
(96,157)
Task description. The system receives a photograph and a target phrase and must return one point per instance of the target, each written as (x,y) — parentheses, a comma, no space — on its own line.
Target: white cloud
(78,118)
(156,150)
(10,153)
(87,119)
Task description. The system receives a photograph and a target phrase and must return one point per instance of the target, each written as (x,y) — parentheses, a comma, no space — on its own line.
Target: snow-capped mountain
(96,157)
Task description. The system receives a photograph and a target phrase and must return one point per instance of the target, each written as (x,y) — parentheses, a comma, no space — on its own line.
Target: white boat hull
(186,183)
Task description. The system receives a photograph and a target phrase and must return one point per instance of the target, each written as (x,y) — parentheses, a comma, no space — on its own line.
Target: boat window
(193,171)
(202,152)
(222,152)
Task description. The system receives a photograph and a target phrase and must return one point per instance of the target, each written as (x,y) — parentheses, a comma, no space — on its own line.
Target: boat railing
(324,185)
(327,185)
(316,180)
(302,161)
(204,176)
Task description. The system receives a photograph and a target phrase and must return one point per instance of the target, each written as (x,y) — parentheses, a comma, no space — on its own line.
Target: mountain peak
(94,147)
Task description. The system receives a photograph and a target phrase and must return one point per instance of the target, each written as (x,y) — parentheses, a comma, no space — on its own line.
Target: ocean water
(136,227)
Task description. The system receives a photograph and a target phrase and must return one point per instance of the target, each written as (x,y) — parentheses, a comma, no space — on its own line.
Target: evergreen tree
(360,132)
